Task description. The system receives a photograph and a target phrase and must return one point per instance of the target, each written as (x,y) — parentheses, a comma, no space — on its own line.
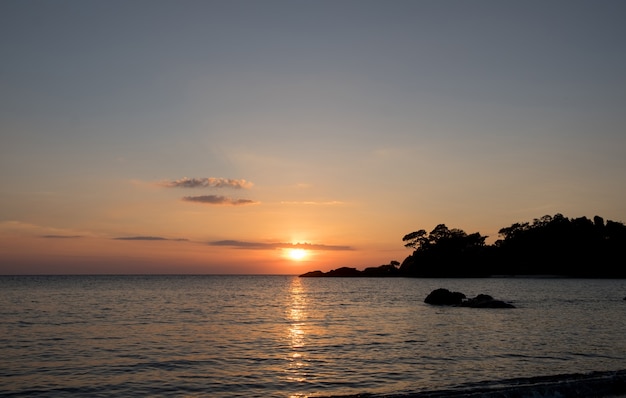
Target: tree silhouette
(444,252)
(558,245)
(550,245)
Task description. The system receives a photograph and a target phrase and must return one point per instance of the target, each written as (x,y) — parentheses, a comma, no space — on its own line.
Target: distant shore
(379,272)
(549,247)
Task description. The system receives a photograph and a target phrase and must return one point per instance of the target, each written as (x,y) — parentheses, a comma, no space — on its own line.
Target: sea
(285,336)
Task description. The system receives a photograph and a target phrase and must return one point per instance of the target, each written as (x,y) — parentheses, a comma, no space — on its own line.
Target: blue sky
(354,122)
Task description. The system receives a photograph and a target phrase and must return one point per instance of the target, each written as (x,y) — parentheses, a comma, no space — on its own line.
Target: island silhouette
(549,246)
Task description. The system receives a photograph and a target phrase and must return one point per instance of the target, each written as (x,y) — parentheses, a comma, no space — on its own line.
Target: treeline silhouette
(550,245)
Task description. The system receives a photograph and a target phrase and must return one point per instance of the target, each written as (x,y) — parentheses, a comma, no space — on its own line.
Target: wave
(588,385)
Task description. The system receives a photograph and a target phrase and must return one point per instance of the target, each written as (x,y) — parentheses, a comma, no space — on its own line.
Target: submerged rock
(445,297)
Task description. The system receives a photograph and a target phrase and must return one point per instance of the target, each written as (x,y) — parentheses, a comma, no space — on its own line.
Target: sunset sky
(215,136)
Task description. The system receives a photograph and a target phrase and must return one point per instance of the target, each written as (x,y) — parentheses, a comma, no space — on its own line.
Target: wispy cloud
(219,200)
(207,182)
(276,245)
(313,203)
(149,238)
(20,228)
(61,236)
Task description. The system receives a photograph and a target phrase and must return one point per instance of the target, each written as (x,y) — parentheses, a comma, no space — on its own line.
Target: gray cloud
(276,245)
(207,182)
(219,200)
(148,238)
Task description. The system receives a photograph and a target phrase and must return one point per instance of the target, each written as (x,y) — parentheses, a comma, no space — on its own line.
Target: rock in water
(446,297)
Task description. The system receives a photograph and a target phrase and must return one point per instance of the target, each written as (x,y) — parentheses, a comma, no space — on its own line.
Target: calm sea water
(283,336)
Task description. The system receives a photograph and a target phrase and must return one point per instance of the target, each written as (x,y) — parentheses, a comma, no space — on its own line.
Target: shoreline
(598,384)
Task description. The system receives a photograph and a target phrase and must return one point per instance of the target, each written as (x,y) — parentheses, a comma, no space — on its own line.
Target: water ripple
(285,336)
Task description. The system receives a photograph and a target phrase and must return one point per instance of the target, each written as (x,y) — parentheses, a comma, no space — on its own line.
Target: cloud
(211,182)
(313,203)
(16,227)
(276,245)
(219,200)
(149,238)
(61,236)
(207,182)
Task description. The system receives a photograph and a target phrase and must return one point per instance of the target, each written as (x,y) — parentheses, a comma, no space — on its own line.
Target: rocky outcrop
(386,270)
(343,272)
(446,297)
(485,301)
(313,274)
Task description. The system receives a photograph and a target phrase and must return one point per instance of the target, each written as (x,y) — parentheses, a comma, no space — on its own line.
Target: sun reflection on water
(296,314)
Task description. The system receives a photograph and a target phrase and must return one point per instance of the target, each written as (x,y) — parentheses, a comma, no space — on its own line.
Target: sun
(296,254)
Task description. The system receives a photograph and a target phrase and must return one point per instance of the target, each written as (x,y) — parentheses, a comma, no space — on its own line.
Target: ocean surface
(284,336)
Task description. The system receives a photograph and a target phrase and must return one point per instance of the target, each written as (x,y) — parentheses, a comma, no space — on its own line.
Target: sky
(279,137)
